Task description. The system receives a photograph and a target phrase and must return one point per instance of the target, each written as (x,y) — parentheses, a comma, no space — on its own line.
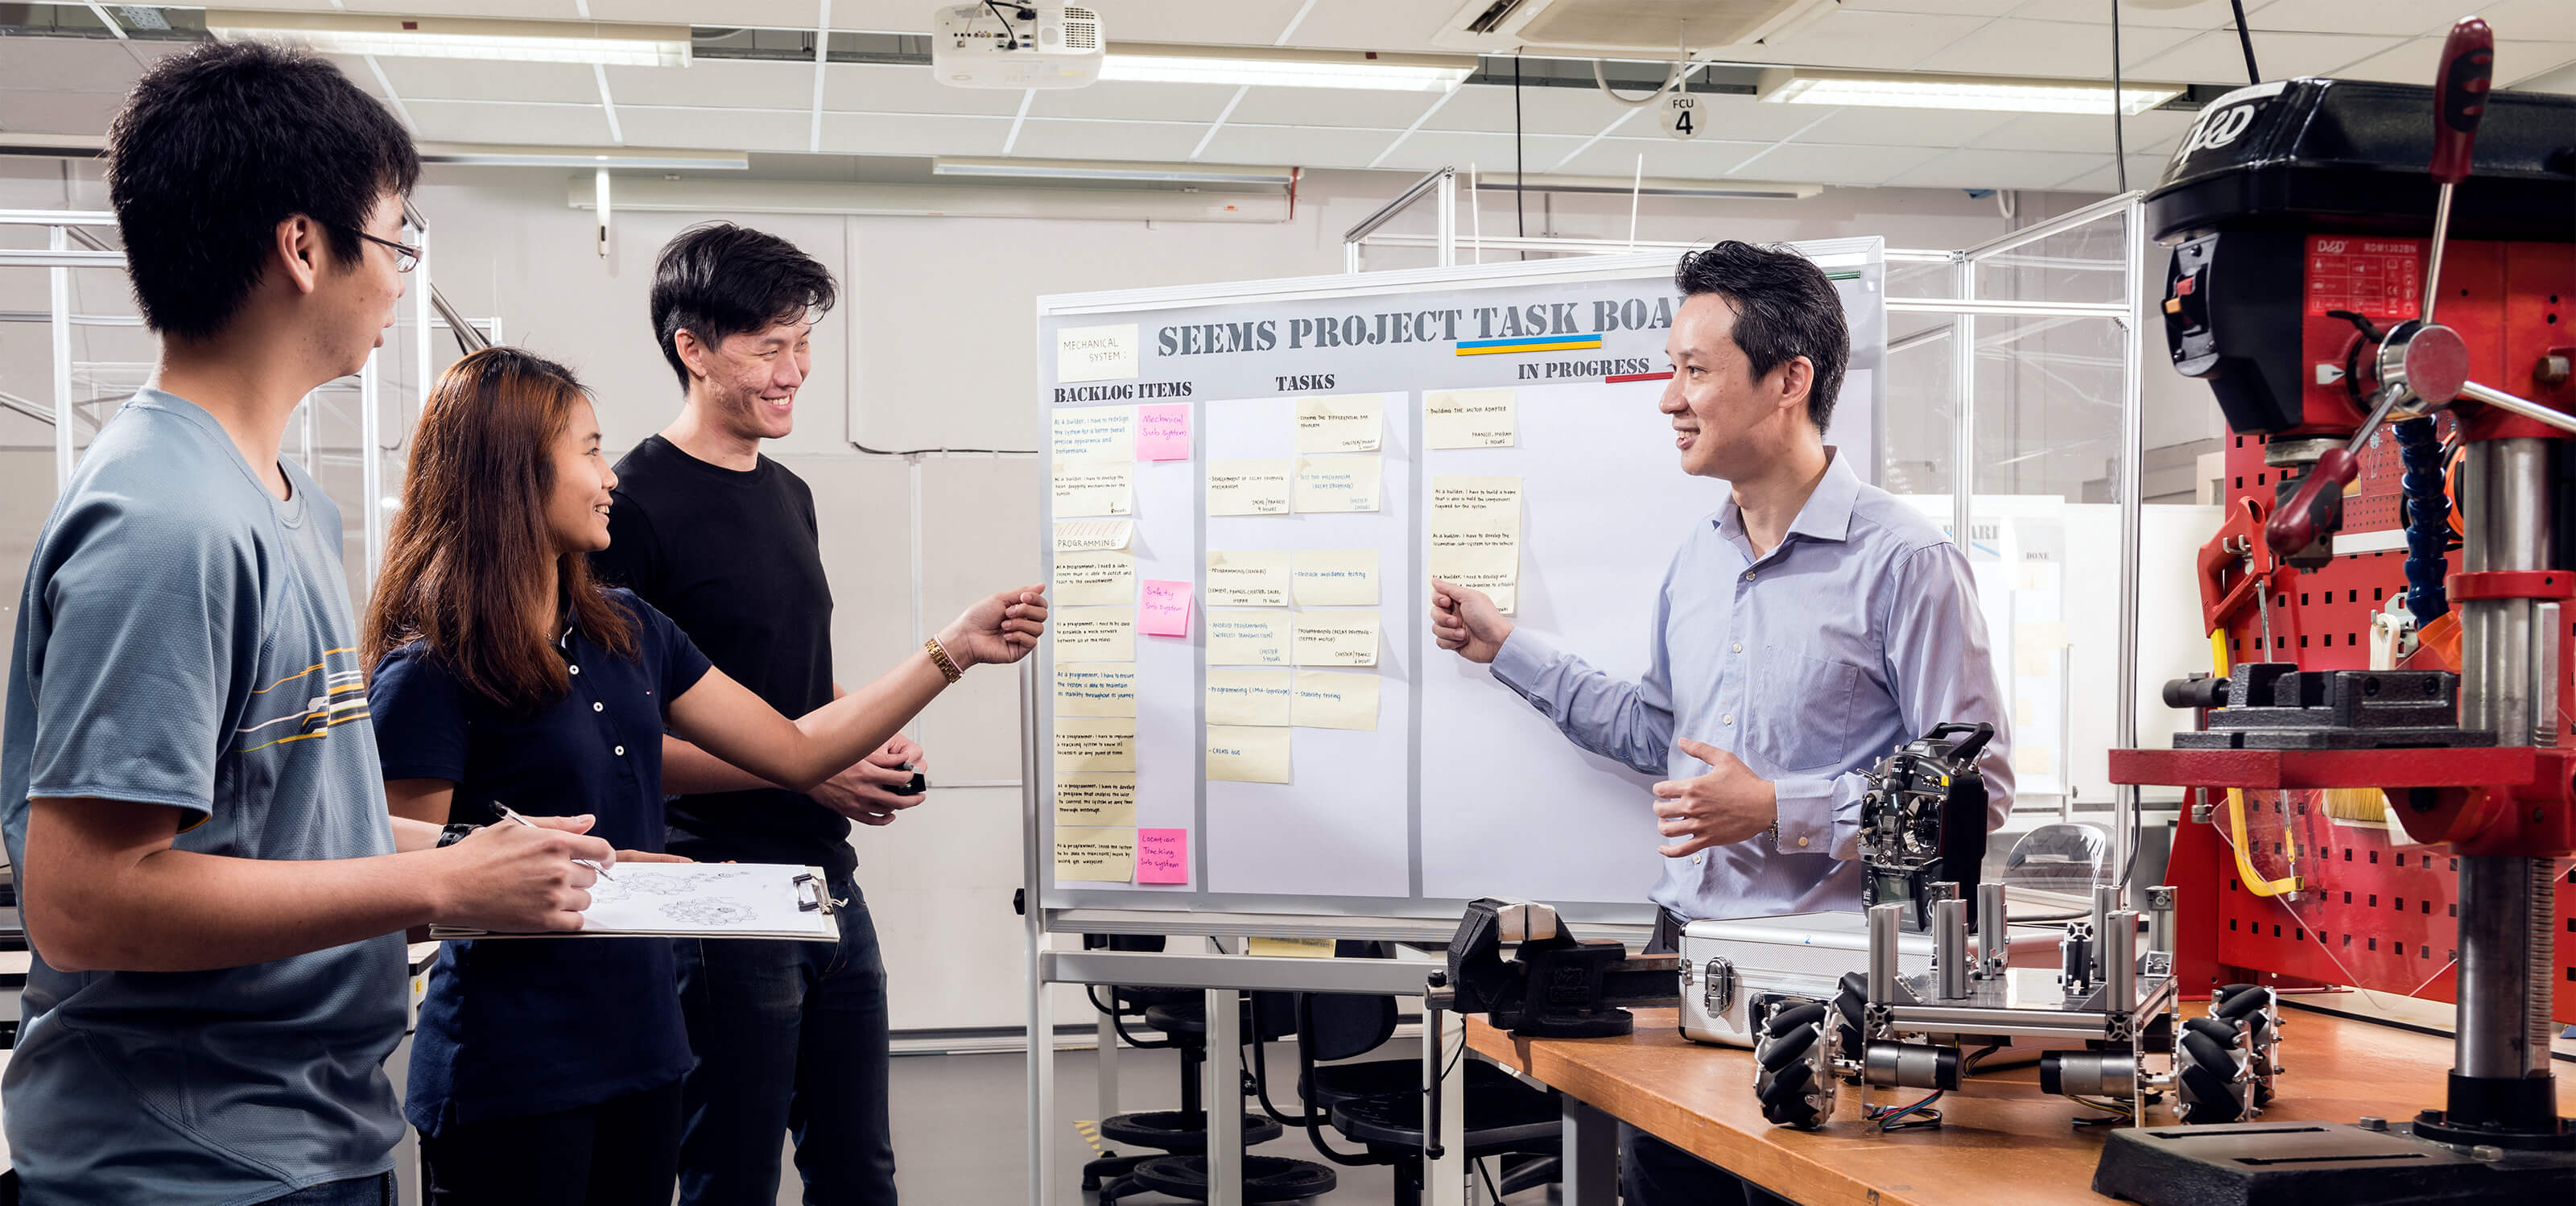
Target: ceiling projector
(1016,46)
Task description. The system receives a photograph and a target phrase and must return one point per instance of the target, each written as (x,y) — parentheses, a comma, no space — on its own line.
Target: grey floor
(961,1128)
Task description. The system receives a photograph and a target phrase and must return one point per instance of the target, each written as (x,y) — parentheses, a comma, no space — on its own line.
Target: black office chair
(1179,1014)
(1184,1173)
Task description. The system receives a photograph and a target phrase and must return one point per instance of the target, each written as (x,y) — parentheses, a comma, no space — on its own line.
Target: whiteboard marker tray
(699,900)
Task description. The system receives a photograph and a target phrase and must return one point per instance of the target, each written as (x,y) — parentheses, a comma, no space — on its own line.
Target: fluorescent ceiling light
(604,43)
(1077,169)
(1233,65)
(2002,94)
(1650,186)
(475,155)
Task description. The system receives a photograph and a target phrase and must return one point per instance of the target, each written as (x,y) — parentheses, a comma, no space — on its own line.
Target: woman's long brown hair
(463,565)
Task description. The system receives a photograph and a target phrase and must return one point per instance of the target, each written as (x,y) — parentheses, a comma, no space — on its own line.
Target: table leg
(1591,1160)
(1445,1180)
(1224,1096)
(1107,1041)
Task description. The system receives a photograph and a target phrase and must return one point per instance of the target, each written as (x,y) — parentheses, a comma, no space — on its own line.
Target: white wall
(933,346)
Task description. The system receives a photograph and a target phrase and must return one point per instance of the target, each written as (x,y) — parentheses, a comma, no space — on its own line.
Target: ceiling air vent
(1655,28)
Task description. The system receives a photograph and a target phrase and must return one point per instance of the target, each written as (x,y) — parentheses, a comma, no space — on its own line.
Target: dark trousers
(620,1152)
(791,1037)
(1655,1173)
(377,1190)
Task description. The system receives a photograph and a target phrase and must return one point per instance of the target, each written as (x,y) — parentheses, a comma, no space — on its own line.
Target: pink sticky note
(1163,432)
(1165,610)
(1162,856)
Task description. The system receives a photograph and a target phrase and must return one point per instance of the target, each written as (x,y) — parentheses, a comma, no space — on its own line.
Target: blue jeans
(791,1037)
(356,1191)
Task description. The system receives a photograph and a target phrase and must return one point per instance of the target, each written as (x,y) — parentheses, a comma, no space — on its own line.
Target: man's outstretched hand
(1467,622)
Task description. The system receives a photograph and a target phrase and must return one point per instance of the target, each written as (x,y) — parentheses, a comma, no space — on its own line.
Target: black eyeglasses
(406,257)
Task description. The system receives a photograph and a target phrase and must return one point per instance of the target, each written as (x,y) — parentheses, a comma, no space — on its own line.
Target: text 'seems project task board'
(1239,704)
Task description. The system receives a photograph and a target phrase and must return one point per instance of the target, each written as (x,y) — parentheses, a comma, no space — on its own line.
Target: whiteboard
(1462,789)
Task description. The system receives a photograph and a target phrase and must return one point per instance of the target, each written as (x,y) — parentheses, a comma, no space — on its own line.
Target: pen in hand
(510,814)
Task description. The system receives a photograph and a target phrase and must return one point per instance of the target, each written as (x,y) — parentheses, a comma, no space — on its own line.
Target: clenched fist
(1466,621)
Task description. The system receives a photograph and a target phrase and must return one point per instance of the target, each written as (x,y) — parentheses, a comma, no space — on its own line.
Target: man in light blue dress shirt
(1809,627)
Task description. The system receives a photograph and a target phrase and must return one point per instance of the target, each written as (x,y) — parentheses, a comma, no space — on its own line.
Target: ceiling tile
(355,68)
(1428,150)
(721,83)
(875,88)
(2073,49)
(2143,171)
(67,65)
(714,129)
(1543,110)
(1394,25)
(44,111)
(2415,62)
(1994,169)
(1153,142)
(1972,8)
(1858,125)
(485,80)
(2195,14)
(1230,23)
(884,134)
(2531,20)
(1314,147)
(1358,107)
(2216,58)
(1128,101)
(1866,40)
(1697,159)
(1745,119)
(2068,132)
(1816,164)
(541,125)
(760,14)
(2400,18)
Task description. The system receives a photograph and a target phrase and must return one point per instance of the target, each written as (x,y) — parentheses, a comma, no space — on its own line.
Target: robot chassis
(2113,1012)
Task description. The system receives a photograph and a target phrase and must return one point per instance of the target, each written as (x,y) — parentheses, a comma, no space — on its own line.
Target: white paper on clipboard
(700,900)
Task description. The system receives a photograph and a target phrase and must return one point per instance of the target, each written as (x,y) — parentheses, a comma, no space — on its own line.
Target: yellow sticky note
(2025,713)
(2035,575)
(1248,487)
(1238,754)
(1476,534)
(1094,580)
(1095,689)
(1094,535)
(1236,637)
(1239,696)
(1093,634)
(2035,647)
(1353,424)
(1091,487)
(1290,948)
(1095,799)
(1102,855)
(1085,743)
(1338,485)
(1247,578)
(1096,433)
(1337,638)
(1336,578)
(1335,701)
(2034,759)
(1470,418)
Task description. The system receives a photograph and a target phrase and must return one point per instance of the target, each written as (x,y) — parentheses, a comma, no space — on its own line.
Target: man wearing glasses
(189,791)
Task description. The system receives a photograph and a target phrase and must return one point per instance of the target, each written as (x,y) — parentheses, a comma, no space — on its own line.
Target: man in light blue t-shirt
(188,784)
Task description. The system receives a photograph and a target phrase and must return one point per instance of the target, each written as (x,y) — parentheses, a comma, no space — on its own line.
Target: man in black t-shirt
(789,1036)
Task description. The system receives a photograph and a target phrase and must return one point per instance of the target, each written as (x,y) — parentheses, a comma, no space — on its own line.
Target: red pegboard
(2372,913)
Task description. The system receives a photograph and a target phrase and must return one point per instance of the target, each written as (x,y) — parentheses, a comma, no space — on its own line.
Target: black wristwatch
(453,834)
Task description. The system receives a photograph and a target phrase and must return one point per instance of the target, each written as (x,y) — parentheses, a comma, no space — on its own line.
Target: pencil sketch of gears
(711,911)
(676,885)
(607,890)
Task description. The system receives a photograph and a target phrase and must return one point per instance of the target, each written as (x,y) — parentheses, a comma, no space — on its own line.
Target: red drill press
(2295,210)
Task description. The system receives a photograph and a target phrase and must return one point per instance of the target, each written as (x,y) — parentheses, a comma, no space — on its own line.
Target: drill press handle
(2460,98)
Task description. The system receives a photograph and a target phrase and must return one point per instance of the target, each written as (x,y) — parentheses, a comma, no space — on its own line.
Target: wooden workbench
(2001,1143)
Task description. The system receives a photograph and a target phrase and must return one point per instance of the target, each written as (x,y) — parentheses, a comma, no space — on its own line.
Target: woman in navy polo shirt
(548,1071)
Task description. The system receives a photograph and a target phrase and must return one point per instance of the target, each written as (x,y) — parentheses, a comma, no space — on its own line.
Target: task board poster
(1272,482)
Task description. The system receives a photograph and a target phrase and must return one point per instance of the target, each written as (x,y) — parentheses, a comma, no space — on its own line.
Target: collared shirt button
(1737,647)
(1748,575)
(621,751)
(1802,841)
(1729,718)
(599,707)
(576,669)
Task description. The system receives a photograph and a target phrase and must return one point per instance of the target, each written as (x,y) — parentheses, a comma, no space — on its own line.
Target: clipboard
(699,900)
